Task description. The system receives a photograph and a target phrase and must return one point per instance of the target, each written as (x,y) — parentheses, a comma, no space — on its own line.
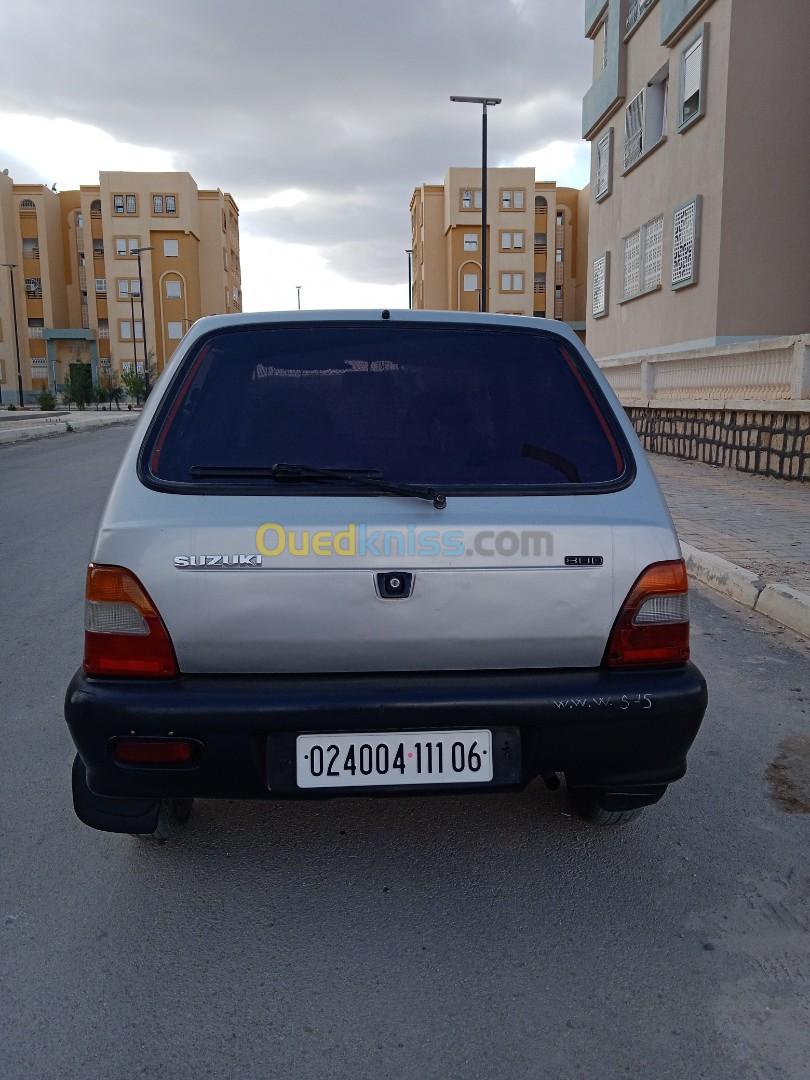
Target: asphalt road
(469,938)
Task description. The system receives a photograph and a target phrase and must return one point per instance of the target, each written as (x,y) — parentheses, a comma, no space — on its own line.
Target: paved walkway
(758,523)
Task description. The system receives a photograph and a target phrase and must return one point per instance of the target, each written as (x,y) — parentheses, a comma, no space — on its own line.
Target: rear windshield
(474,407)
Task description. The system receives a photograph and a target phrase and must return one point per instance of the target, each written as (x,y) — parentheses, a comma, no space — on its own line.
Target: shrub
(47,402)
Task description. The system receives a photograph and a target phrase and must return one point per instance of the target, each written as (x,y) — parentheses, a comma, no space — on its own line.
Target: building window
(471,241)
(125,330)
(132,204)
(33,287)
(653,237)
(174,331)
(470,282)
(101,286)
(540,282)
(540,243)
(512,240)
(602,45)
(30,247)
(645,119)
(126,246)
(511,282)
(127,287)
(36,328)
(173,290)
(98,249)
(558,256)
(171,249)
(692,103)
(599,286)
(685,243)
(95,208)
(470,199)
(603,184)
(27,206)
(513,199)
(642,259)
(634,130)
(103,330)
(164,204)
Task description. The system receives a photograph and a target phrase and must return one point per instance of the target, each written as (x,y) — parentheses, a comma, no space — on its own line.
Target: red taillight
(653,624)
(124,634)
(153,751)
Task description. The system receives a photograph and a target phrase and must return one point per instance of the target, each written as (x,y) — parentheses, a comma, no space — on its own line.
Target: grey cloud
(334,97)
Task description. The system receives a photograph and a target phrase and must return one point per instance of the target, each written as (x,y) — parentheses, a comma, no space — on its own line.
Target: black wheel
(172,813)
(586,804)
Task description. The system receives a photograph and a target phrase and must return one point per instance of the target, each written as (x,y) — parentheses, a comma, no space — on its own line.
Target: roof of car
(461,318)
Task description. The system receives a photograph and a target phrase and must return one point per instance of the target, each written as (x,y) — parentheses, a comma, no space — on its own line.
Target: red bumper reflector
(153,751)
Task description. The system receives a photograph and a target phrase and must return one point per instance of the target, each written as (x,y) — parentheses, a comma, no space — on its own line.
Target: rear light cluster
(124,633)
(653,624)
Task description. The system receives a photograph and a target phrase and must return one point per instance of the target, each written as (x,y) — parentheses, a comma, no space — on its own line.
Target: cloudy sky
(320,116)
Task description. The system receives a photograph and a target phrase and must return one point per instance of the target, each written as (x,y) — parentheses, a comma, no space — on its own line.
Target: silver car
(372,553)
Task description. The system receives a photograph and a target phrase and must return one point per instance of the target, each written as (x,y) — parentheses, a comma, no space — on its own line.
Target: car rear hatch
(259,563)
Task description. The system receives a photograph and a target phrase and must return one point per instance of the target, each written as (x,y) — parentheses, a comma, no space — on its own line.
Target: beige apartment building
(697,119)
(75,275)
(537,245)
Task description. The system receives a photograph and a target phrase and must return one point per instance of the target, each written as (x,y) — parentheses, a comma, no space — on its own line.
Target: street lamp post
(409,253)
(298,290)
(137,252)
(11,268)
(483,102)
(134,335)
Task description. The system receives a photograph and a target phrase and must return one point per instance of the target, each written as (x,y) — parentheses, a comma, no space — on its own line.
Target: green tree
(134,383)
(79,385)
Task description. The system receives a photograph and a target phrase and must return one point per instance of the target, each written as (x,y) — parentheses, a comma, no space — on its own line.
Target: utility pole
(11,268)
(483,101)
(298,290)
(137,252)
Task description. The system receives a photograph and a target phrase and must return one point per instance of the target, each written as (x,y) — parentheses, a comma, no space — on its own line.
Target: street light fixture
(483,102)
(409,253)
(298,290)
(11,268)
(137,251)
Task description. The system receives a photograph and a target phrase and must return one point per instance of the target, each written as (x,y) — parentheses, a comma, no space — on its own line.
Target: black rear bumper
(607,729)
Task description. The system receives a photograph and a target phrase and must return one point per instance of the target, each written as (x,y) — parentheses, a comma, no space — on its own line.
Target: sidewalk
(38,425)
(747,536)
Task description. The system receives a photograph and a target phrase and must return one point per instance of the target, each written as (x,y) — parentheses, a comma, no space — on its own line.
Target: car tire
(585,803)
(173,814)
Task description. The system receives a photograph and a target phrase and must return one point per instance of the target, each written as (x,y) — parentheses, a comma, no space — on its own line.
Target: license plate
(392,758)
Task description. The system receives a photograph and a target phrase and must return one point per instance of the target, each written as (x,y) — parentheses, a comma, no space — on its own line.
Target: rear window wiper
(286,472)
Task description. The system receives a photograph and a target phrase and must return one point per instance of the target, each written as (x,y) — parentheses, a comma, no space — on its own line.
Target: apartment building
(536,253)
(77,283)
(698,229)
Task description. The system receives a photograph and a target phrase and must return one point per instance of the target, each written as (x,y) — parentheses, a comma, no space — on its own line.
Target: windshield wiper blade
(284,471)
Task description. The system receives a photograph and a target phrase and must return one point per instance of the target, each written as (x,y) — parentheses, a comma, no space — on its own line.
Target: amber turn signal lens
(124,633)
(653,624)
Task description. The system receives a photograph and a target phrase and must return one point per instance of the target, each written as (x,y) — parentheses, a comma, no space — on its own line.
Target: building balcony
(675,14)
(636,11)
(558,309)
(540,288)
(608,89)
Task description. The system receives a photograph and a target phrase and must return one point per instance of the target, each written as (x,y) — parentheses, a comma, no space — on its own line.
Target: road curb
(776,599)
(43,429)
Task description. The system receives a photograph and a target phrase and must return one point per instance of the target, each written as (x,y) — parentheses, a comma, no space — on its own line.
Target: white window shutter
(599,287)
(692,64)
(632,264)
(603,165)
(684,243)
(653,247)
(634,130)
